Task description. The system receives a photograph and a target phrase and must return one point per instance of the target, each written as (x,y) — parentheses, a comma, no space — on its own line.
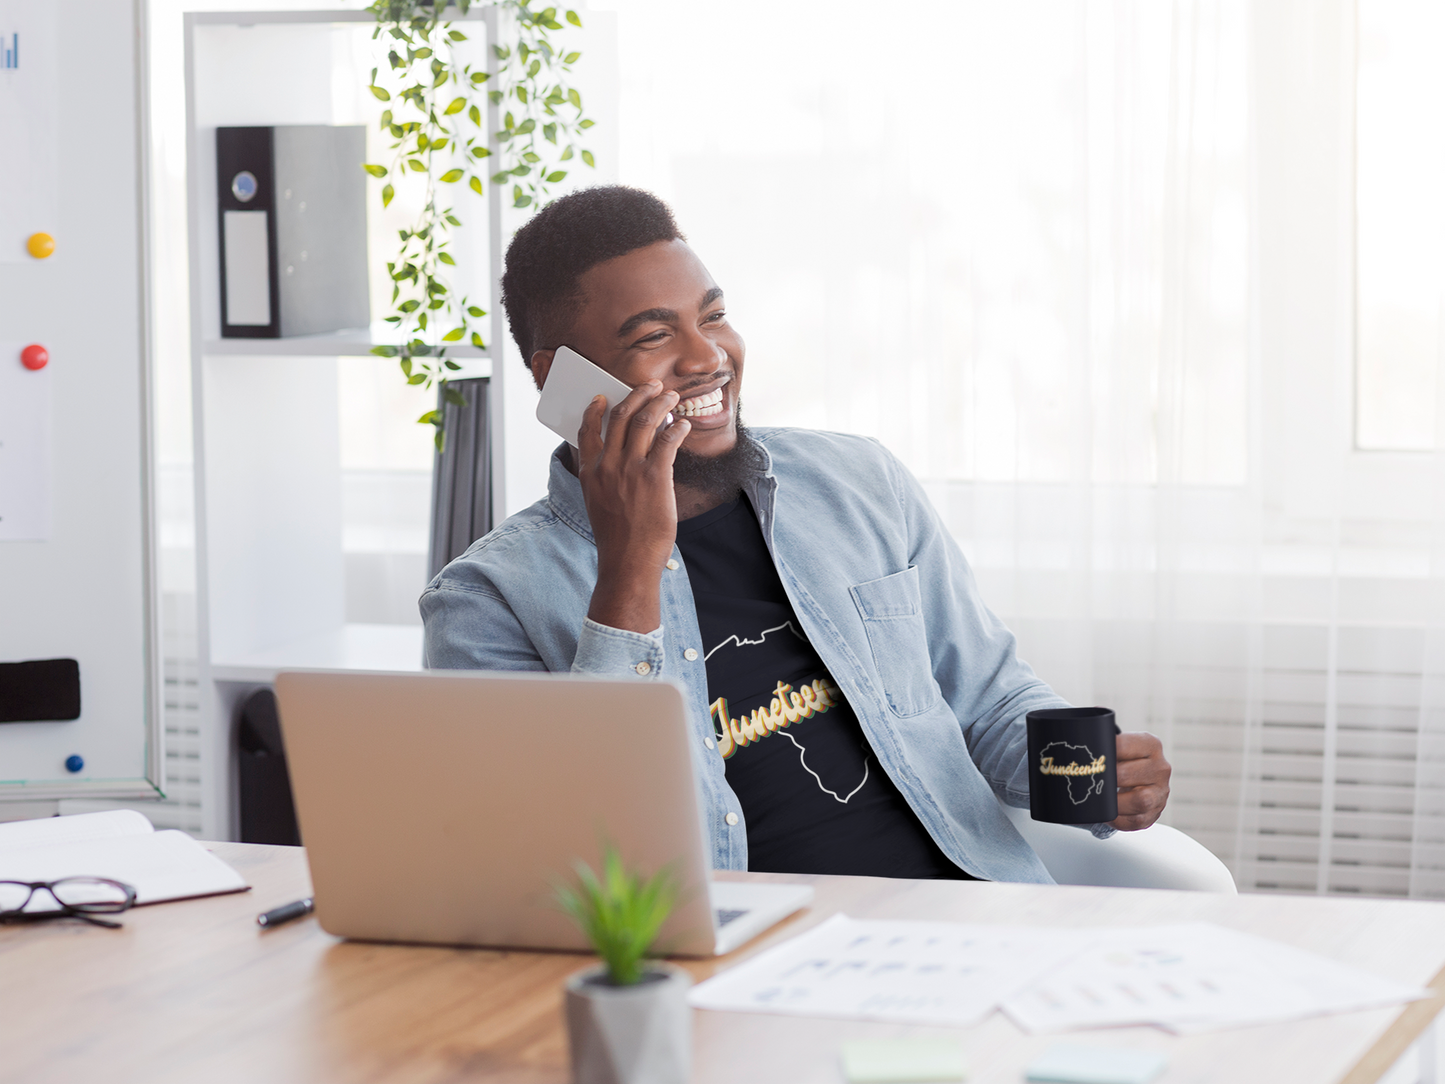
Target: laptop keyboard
(727,914)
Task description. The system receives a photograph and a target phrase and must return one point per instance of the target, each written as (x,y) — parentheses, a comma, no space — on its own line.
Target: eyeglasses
(75,897)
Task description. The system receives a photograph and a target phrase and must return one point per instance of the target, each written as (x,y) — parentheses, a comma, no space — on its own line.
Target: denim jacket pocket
(892,612)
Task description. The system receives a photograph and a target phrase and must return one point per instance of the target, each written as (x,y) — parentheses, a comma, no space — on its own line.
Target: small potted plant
(627,1019)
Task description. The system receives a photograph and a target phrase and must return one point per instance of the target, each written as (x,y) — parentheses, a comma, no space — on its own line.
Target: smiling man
(855,705)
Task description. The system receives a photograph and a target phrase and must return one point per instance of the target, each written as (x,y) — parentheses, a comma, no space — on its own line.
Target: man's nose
(700,354)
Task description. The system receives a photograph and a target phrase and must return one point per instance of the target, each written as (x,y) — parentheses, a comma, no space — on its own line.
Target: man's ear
(541,366)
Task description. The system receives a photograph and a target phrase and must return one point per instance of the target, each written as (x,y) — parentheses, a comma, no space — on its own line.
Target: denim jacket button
(731,818)
(709,743)
(690,654)
(643,668)
(672,565)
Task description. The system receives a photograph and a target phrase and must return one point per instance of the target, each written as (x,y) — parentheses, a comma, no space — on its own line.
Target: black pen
(285,913)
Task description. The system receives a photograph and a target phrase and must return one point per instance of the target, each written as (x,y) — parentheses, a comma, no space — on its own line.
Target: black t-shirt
(815,797)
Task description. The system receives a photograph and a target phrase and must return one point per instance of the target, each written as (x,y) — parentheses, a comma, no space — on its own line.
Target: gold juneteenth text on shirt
(786,707)
(1048,767)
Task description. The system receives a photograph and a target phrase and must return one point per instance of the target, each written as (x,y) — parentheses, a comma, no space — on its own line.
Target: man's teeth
(700,407)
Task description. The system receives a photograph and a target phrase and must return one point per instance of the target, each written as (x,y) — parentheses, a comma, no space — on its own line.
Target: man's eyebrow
(709,297)
(647,316)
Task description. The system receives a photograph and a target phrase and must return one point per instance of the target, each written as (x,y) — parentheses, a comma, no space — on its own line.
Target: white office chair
(1156,857)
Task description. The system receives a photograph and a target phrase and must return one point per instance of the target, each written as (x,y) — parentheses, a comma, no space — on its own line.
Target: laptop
(445,807)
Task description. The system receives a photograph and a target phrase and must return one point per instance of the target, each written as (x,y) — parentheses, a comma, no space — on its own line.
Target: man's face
(656,314)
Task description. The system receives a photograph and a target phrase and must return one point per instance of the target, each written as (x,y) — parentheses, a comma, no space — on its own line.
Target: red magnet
(35,357)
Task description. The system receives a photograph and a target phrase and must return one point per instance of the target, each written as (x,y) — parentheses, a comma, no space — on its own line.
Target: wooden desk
(193,992)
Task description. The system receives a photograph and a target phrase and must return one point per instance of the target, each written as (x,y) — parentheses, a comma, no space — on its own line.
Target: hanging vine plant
(436,116)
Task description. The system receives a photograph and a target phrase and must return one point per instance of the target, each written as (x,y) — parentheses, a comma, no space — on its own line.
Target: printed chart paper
(944,973)
(25,454)
(1195,977)
(29,159)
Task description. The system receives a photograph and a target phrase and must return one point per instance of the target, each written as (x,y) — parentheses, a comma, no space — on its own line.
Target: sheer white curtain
(1089,269)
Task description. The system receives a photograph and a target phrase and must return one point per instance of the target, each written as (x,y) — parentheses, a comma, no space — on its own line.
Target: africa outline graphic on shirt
(787,707)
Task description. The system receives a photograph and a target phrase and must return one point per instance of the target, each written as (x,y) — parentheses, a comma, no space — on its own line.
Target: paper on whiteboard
(1195,977)
(25,407)
(944,973)
(29,170)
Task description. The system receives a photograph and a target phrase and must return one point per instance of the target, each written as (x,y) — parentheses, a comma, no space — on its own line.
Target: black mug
(1073,765)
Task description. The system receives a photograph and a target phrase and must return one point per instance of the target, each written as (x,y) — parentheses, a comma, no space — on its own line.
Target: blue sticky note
(902,1061)
(1069,1064)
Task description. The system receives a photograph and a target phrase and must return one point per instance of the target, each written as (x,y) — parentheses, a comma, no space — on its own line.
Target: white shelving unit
(270,564)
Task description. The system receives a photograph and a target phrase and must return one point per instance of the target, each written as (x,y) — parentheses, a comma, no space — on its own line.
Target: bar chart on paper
(28,122)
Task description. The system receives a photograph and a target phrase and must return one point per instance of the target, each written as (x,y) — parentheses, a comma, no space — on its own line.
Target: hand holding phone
(572,383)
(626,481)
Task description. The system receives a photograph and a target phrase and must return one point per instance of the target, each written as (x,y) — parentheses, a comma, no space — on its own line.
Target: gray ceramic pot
(630,1034)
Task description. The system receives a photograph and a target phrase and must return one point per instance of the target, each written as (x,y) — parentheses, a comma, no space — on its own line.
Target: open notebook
(120,844)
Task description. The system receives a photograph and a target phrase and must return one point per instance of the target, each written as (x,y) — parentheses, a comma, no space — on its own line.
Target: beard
(723,475)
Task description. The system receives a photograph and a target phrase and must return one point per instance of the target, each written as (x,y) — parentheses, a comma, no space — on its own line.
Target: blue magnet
(74,763)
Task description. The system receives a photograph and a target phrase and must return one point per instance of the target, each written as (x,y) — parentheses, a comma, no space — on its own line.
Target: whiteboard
(76,575)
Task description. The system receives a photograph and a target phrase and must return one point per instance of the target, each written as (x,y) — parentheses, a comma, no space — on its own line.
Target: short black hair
(563,241)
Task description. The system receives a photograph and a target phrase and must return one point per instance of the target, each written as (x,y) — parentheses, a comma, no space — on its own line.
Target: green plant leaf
(508,121)
(528,125)
(438,144)
(452,176)
(574,96)
(556,175)
(453,220)
(476,185)
(620,912)
(416,164)
(451,395)
(571,58)
(456,106)
(574,18)
(385,351)
(522,201)
(457,35)
(587,157)
(431,417)
(375,171)
(421,322)
(446,258)
(410,306)
(416,378)
(454,335)
(498,178)
(521,93)
(520,171)
(533,68)
(480,77)
(421,54)
(387,192)
(476,116)
(495,96)
(476,311)
(453,366)
(406,366)
(481,152)
(379,93)
(585,124)
(567,154)
(531,158)
(477,341)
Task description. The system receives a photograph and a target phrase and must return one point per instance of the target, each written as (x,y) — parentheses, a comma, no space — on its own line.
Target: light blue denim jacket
(882,591)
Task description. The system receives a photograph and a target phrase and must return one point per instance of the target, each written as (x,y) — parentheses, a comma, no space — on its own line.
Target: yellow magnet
(40,245)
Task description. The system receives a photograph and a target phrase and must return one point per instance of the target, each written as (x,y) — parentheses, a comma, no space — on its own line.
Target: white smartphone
(572,383)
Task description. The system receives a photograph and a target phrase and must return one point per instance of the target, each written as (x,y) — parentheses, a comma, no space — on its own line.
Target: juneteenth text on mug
(1073,765)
